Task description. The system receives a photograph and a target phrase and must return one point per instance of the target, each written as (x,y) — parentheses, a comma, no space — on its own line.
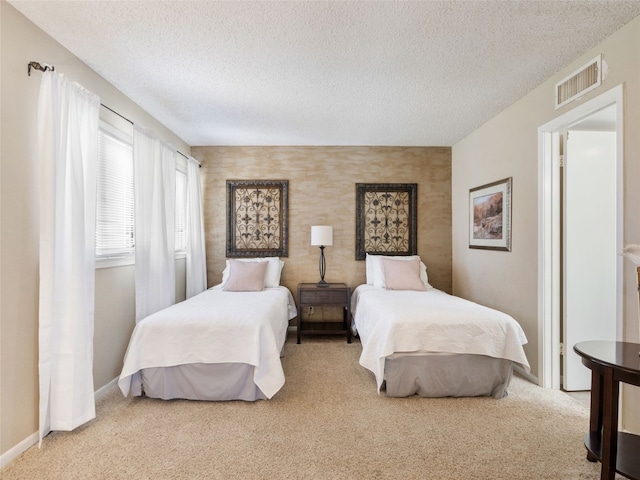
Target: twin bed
(222,344)
(419,340)
(226,343)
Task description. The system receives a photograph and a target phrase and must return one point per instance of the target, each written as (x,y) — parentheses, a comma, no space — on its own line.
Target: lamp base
(323,268)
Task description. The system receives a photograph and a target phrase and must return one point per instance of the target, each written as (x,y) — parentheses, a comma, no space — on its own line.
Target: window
(114,221)
(181,211)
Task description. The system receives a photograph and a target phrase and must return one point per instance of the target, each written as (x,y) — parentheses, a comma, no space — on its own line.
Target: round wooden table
(610,364)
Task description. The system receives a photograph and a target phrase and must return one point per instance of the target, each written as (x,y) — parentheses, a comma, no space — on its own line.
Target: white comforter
(392,321)
(216,327)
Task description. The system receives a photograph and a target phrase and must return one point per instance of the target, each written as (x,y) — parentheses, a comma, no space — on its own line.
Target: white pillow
(271,278)
(375,270)
(369,268)
(245,276)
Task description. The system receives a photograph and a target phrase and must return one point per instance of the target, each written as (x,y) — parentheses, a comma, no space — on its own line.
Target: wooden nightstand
(338,294)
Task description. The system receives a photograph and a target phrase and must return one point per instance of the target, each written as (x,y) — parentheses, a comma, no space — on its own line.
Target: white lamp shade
(322,235)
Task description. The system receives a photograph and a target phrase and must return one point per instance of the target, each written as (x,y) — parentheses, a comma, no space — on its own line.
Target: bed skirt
(446,375)
(198,381)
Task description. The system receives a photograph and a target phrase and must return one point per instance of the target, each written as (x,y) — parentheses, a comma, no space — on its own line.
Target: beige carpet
(327,422)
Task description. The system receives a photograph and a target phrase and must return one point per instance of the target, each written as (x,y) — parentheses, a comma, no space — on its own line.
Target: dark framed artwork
(257,218)
(490,216)
(386,219)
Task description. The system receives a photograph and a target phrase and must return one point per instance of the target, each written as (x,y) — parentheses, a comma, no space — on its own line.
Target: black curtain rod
(125,118)
(44,68)
(38,66)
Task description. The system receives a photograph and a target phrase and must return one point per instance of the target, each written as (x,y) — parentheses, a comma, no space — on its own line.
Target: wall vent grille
(581,81)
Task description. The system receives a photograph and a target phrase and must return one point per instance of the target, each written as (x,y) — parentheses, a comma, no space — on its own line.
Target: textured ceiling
(326,73)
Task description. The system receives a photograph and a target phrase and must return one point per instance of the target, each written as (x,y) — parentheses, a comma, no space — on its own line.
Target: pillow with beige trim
(272,276)
(375,270)
(402,274)
(245,276)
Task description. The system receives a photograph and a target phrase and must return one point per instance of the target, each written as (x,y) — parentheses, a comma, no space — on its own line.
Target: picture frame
(386,219)
(490,216)
(257,218)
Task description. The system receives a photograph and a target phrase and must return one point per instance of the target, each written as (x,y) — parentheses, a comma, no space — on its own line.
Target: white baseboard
(521,371)
(13,453)
(101,392)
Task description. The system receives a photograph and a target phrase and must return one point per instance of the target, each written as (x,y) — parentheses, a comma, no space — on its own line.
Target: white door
(589,247)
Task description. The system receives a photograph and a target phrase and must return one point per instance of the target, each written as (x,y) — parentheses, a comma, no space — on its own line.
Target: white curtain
(68,150)
(154,170)
(196,256)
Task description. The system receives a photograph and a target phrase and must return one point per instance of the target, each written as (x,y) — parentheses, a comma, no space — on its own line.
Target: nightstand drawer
(325,297)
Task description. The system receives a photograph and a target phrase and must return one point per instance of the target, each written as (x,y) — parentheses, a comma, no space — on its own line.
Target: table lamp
(322,236)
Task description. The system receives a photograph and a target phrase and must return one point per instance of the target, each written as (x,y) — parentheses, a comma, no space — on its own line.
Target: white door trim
(549,229)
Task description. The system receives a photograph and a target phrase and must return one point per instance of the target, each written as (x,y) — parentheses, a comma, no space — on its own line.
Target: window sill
(109,262)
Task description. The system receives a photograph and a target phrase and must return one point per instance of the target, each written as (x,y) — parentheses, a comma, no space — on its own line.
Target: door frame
(549,229)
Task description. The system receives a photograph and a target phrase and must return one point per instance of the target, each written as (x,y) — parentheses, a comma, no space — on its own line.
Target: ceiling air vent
(583,80)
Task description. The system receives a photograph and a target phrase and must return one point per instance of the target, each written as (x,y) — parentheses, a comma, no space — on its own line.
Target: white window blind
(181,211)
(114,222)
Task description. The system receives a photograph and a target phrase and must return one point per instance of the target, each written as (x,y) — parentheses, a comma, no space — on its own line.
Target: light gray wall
(507,146)
(22,42)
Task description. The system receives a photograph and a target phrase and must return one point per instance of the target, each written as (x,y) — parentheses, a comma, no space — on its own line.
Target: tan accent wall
(322,191)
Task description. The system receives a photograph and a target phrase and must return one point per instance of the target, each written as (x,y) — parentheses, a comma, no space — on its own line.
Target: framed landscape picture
(386,219)
(257,218)
(490,216)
